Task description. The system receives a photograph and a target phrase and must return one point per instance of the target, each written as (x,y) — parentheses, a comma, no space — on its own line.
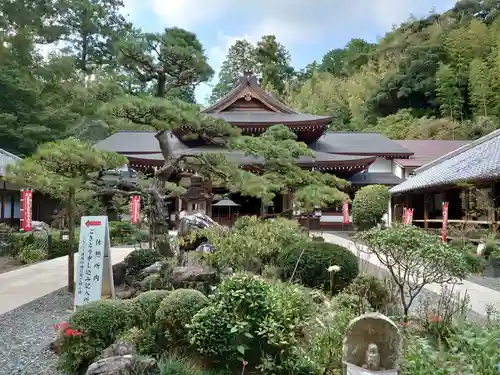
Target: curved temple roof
(272,110)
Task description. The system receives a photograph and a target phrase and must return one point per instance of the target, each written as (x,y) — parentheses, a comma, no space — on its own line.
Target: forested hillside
(437,77)
(432,78)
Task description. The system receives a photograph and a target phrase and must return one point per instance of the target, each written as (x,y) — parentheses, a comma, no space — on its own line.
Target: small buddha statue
(372,358)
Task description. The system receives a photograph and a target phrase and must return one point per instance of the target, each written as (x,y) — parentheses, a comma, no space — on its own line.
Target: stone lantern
(196,197)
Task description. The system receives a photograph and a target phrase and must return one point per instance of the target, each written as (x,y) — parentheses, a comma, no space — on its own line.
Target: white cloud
(292,21)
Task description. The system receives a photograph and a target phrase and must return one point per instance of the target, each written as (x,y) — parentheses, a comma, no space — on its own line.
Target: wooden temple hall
(362,158)
(467,179)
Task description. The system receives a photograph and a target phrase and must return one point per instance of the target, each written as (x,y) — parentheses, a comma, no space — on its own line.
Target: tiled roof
(7,158)
(425,151)
(265,117)
(340,143)
(371,178)
(478,160)
(359,143)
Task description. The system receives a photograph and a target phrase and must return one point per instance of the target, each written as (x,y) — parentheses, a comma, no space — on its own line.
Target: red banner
(26,210)
(345,211)
(405,215)
(135,209)
(409,216)
(444,229)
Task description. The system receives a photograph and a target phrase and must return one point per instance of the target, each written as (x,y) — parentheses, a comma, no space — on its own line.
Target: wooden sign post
(94,273)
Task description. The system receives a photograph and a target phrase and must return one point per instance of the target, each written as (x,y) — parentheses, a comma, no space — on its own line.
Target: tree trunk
(71,236)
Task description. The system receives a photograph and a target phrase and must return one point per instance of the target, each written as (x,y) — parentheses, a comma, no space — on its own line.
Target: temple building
(360,157)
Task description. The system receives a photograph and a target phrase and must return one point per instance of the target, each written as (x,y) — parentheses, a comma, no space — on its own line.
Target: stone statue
(372,345)
(372,358)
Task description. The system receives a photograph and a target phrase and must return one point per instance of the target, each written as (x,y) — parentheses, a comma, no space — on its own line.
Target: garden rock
(119,272)
(122,365)
(192,274)
(118,349)
(126,293)
(156,267)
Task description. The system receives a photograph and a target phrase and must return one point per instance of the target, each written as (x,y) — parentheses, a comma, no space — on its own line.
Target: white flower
(333,268)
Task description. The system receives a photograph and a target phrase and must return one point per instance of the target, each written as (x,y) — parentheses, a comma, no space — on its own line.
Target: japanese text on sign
(90,260)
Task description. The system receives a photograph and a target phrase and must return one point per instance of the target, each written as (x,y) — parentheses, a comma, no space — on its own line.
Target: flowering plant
(66,328)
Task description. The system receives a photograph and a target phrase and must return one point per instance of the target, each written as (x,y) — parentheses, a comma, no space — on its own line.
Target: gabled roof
(7,158)
(273,111)
(359,143)
(478,160)
(248,86)
(425,151)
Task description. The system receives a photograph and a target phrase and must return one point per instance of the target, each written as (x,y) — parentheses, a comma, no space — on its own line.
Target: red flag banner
(409,214)
(135,209)
(405,215)
(444,229)
(345,211)
(26,210)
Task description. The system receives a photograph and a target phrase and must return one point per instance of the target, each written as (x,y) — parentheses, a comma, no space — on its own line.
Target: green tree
(92,29)
(369,206)
(63,169)
(172,60)
(240,58)
(480,90)
(448,93)
(274,62)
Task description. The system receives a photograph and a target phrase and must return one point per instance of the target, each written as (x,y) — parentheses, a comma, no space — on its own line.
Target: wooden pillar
(494,205)
(426,210)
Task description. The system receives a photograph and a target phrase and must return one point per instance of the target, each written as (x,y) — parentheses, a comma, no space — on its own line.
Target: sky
(308,28)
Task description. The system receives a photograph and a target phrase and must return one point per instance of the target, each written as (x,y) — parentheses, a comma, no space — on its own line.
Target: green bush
(59,247)
(312,268)
(371,288)
(369,206)
(145,305)
(31,253)
(253,319)
(177,310)
(355,303)
(174,366)
(147,341)
(18,240)
(155,282)
(124,233)
(139,259)
(100,324)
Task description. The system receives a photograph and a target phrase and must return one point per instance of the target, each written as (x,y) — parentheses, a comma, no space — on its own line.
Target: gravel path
(26,333)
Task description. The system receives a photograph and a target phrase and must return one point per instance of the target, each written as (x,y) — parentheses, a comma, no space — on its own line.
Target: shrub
(31,253)
(252,242)
(358,305)
(312,268)
(145,305)
(370,204)
(147,341)
(101,323)
(371,288)
(124,233)
(174,366)
(177,310)
(253,319)
(139,259)
(155,282)
(59,247)
(414,258)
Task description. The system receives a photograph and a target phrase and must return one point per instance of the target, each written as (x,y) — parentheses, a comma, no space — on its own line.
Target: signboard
(135,209)
(345,211)
(94,274)
(26,210)
(444,228)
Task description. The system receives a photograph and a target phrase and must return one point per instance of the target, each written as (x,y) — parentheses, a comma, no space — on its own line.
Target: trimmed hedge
(312,268)
(369,206)
(100,323)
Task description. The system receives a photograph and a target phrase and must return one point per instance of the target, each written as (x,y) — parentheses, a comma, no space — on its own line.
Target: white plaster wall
(398,170)
(334,219)
(381,165)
